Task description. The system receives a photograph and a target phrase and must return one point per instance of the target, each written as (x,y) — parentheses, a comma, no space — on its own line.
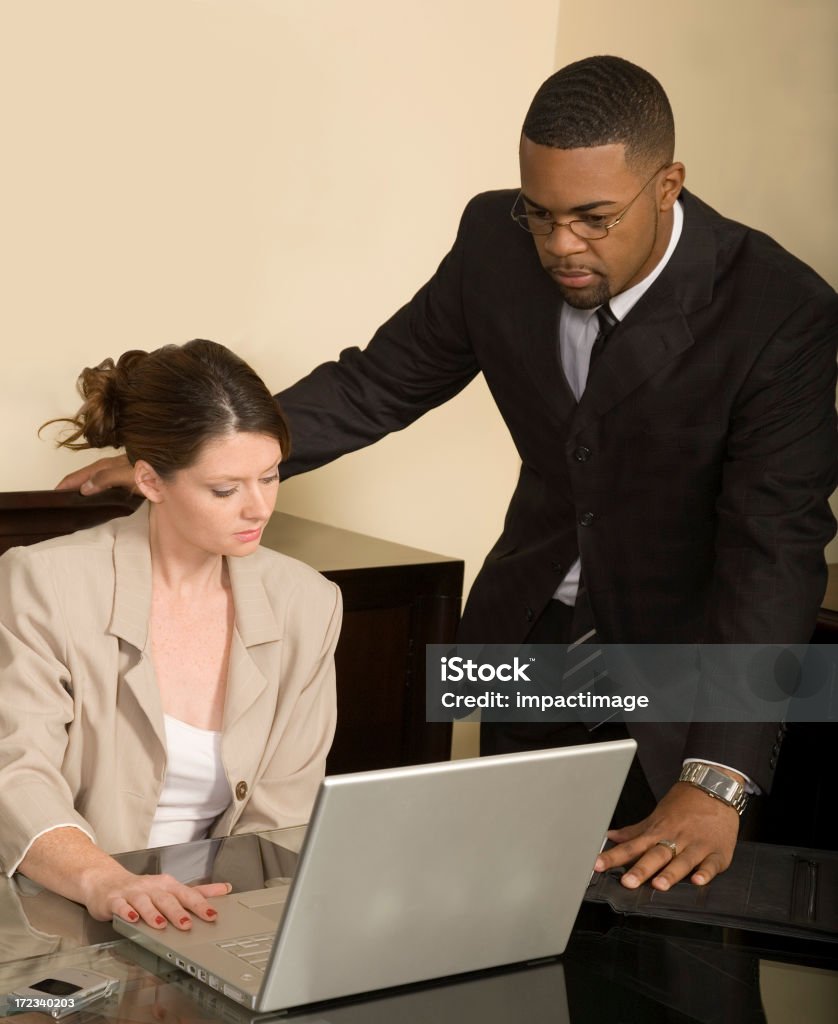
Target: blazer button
(586,519)
(241,790)
(530,614)
(775,749)
(582,454)
(772,764)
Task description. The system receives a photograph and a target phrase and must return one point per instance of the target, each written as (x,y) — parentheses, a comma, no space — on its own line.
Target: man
(685,482)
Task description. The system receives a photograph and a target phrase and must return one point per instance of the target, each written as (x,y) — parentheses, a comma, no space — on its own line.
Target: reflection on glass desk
(633,970)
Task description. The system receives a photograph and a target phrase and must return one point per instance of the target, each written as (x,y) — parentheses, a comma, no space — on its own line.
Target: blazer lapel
(639,347)
(131,615)
(656,331)
(256,625)
(537,323)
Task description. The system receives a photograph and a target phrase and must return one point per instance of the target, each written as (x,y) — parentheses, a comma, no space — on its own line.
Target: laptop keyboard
(253,949)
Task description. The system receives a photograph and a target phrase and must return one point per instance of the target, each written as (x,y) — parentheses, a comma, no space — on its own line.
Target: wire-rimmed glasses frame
(589,230)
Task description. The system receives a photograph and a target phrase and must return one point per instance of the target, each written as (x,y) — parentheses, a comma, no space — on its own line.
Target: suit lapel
(648,339)
(656,331)
(257,629)
(256,625)
(131,615)
(537,323)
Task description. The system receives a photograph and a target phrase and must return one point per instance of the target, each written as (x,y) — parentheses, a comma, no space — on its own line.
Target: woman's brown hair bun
(164,406)
(103,388)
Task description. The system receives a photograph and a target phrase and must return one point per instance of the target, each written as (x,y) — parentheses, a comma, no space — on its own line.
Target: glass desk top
(616,969)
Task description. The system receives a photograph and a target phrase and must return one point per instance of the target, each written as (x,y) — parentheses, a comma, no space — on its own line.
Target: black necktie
(607,323)
(585,662)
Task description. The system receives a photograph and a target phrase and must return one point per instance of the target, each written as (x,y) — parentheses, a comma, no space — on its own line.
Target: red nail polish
(212,913)
(132,915)
(160,919)
(184,920)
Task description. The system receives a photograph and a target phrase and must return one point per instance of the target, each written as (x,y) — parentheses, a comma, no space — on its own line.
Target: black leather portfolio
(778,889)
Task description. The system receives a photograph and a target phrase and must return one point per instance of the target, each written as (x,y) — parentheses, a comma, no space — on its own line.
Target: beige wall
(279,176)
(754,87)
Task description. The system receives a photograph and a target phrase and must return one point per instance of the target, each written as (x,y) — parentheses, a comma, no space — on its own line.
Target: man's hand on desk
(112,471)
(703,829)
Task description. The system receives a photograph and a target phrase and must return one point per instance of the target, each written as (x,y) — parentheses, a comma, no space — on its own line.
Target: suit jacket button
(582,454)
(530,614)
(775,749)
(772,764)
(241,790)
(586,519)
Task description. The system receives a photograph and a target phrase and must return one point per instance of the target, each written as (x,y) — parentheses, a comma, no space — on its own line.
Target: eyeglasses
(589,227)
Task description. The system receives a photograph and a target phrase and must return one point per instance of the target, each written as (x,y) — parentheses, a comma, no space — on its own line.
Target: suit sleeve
(36,709)
(417,360)
(774,519)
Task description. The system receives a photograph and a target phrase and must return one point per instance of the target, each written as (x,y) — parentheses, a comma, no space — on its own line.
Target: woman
(162,677)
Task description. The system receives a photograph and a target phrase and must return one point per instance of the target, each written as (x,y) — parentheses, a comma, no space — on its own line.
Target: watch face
(725,788)
(716,784)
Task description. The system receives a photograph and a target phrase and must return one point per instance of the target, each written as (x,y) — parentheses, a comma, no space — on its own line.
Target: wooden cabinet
(396,600)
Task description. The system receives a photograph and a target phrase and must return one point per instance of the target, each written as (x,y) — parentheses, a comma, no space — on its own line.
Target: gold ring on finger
(673,849)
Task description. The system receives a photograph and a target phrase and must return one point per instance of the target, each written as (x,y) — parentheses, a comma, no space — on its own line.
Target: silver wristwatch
(715,783)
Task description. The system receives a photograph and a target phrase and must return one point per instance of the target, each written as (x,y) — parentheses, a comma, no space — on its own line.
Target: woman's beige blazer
(82,740)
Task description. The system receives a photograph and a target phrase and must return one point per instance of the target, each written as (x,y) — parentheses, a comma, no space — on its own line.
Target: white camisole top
(195,790)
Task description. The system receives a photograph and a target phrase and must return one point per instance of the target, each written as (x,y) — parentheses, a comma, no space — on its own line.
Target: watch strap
(715,783)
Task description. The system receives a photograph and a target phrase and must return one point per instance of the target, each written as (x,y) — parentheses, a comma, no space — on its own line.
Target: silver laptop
(530,993)
(409,874)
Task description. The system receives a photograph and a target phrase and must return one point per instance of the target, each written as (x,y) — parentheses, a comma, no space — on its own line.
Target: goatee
(586,298)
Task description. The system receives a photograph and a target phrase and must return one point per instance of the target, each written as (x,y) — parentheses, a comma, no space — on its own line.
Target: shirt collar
(623,303)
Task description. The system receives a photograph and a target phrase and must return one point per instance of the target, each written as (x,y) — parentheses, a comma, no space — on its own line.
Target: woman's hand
(66,861)
(112,471)
(156,899)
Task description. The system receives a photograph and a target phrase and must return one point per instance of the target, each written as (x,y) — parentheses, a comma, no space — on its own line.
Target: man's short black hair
(602,100)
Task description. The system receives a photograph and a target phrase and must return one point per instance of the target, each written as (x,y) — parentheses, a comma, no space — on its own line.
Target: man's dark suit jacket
(693,475)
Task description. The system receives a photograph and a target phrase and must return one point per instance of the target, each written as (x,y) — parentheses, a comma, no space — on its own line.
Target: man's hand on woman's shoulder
(113,471)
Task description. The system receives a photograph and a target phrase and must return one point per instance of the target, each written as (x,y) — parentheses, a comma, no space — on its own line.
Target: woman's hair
(164,406)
